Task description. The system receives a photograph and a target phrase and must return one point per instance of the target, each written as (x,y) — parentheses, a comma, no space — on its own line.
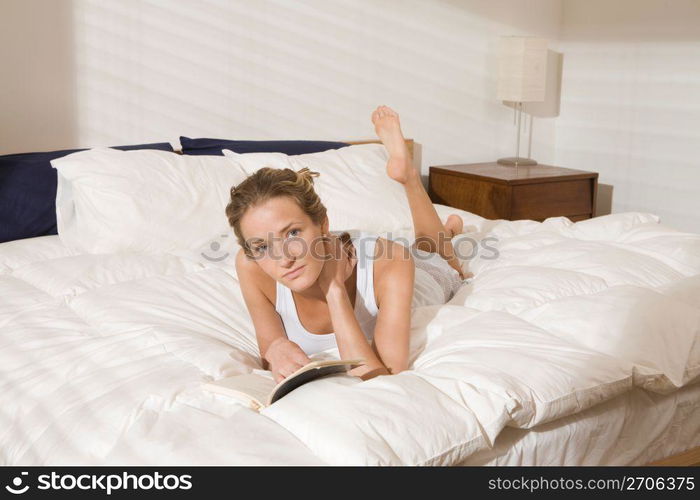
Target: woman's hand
(285,357)
(338,265)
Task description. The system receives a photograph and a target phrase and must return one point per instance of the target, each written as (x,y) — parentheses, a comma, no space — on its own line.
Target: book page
(250,386)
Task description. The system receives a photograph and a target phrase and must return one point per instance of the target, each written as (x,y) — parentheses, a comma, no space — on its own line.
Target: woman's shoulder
(393,264)
(386,250)
(250,274)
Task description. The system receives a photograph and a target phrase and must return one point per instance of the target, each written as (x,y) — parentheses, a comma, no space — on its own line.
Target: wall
(37,83)
(631,104)
(90,72)
(314,69)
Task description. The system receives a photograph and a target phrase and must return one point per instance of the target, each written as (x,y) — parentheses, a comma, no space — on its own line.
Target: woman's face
(285,242)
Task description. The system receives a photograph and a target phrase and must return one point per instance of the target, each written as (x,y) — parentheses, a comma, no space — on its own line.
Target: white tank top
(365,304)
(435,282)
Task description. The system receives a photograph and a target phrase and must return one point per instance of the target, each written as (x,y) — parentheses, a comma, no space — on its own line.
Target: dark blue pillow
(214,146)
(28,191)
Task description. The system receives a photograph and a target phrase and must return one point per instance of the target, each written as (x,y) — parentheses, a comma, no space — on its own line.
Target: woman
(308,289)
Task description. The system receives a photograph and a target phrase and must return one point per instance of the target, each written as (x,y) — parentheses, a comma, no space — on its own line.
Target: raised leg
(431,235)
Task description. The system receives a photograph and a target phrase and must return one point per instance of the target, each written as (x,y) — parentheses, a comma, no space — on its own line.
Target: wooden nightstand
(496,192)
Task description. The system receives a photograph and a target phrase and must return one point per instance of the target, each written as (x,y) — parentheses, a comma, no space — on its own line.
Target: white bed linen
(635,428)
(102,355)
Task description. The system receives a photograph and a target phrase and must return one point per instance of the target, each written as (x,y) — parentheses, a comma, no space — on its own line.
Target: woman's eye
(294,232)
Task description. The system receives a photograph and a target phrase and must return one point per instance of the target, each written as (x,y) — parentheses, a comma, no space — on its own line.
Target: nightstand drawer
(551,199)
(492,200)
(576,218)
(495,191)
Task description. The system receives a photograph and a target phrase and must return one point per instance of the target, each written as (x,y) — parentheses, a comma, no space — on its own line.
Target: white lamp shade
(522,65)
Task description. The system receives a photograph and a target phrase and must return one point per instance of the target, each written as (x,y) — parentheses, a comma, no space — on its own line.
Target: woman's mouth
(294,273)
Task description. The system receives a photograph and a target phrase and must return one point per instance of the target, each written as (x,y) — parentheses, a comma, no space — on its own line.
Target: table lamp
(522,65)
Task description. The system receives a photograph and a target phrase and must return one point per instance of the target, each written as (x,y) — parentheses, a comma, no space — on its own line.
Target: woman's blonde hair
(268,183)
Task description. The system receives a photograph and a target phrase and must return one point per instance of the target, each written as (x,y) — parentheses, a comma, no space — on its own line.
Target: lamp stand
(515,161)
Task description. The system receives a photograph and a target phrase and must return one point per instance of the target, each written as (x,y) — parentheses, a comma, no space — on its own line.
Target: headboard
(409,144)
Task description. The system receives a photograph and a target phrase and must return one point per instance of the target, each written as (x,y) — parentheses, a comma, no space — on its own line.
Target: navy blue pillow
(28,191)
(213,147)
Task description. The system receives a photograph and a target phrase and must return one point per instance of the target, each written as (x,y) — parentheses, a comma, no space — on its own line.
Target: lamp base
(515,161)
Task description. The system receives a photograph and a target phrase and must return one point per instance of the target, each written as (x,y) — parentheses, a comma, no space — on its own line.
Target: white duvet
(102,355)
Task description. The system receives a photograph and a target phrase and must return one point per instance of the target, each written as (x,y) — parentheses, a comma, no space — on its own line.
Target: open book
(259,391)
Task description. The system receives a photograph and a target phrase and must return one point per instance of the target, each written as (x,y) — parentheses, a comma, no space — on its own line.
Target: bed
(575,344)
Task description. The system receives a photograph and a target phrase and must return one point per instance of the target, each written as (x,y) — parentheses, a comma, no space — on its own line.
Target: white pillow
(353,185)
(148,201)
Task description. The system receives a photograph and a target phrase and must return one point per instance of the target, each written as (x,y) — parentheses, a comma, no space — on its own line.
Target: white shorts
(436,281)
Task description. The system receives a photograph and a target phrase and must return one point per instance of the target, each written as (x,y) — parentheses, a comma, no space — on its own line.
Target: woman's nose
(293,249)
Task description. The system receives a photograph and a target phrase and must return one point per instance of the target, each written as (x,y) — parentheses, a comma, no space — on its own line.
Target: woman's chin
(301,282)
(298,285)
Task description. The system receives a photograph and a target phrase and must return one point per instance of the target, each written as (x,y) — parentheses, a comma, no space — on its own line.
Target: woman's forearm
(349,336)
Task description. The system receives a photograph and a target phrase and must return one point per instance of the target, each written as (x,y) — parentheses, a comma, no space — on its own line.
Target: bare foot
(388,129)
(454,225)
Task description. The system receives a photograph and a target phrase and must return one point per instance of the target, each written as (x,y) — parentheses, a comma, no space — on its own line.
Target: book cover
(259,391)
